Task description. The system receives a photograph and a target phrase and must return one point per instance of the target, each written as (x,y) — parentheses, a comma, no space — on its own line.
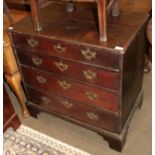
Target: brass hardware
(32,42)
(37,61)
(91,95)
(89,74)
(45,99)
(41,79)
(88,54)
(60,65)
(92,116)
(67,104)
(64,84)
(59,48)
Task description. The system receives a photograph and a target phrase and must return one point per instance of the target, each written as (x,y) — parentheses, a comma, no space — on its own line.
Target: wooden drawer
(87,54)
(64,106)
(69,88)
(76,70)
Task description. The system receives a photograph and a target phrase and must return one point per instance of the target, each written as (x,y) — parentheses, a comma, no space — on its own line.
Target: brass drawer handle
(91,95)
(92,116)
(41,79)
(67,104)
(88,54)
(64,84)
(59,48)
(32,42)
(60,65)
(37,61)
(45,99)
(89,74)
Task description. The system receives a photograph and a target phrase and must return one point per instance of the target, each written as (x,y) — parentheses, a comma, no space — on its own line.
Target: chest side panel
(133,68)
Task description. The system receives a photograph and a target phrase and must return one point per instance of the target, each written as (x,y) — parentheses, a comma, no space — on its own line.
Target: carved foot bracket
(115,141)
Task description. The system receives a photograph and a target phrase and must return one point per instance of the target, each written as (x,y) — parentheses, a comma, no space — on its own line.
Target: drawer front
(68,50)
(74,90)
(84,72)
(73,110)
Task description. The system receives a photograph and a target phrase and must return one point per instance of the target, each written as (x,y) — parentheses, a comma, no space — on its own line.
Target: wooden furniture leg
(149,53)
(147,68)
(102,13)
(117,142)
(35,14)
(11,71)
(12,75)
(115,10)
(14,82)
(7,11)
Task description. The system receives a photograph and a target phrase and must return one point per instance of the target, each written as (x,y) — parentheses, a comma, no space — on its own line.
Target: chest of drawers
(67,72)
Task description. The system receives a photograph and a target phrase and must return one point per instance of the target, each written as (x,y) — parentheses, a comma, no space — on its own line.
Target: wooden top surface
(81,26)
(16,16)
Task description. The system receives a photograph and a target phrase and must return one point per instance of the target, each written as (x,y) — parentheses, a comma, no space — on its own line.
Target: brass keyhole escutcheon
(64,84)
(37,61)
(61,66)
(88,74)
(45,99)
(91,95)
(58,47)
(67,104)
(32,42)
(92,116)
(41,79)
(88,54)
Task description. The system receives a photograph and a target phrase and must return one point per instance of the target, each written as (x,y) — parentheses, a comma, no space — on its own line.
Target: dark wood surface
(133,71)
(104,7)
(107,58)
(17,1)
(105,104)
(60,24)
(10,118)
(18,5)
(75,90)
(69,108)
(74,69)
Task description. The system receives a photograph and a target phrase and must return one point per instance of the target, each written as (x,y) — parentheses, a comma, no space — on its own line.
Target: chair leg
(146,67)
(35,14)
(115,10)
(14,82)
(6,9)
(102,13)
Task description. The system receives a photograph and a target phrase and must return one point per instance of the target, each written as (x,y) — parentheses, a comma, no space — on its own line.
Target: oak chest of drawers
(66,71)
